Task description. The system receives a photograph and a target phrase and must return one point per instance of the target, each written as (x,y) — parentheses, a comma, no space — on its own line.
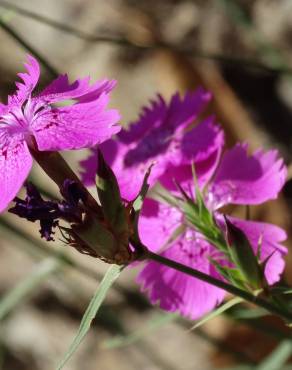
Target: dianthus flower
(239,179)
(37,121)
(163,136)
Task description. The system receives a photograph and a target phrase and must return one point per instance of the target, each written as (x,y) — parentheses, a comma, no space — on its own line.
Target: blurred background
(238,49)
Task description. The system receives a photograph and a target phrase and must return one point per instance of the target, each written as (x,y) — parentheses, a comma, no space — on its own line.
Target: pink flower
(239,179)
(163,135)
(37,121)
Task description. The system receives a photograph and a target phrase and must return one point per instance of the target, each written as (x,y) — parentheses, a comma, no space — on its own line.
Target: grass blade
(217,312)
(111,275)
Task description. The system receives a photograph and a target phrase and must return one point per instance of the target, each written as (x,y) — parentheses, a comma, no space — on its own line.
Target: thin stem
(28,47)
(221,284)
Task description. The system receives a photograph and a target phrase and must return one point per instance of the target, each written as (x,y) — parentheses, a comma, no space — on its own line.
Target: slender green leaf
(28,285)
(111,275)
(217,312)
(277,359)
(148,328)
(162,195)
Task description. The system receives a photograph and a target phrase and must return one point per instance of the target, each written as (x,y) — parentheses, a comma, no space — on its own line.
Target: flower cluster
(163,135)
(173,140)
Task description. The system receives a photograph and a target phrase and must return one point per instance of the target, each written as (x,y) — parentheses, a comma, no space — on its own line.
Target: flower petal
(176,291)
(158,138)
(172,290)
(183,174)
(81,125)
(177,114)
(3,108)
(130,178)
(157,222)
(60,89)
(271,236)
(112,152)
(29,78)
(149,118)
(202,141)
(243,179)
(15,164)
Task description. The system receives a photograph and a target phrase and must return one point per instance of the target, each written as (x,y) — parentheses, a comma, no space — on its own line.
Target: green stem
(274,309)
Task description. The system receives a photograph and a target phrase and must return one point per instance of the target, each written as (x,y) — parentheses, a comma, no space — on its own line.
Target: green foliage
(199,216)
(246,272)
(111,275)
(218,311)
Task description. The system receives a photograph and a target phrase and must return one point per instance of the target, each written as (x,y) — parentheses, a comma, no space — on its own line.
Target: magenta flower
(239,179)
(37,121)
(162,136)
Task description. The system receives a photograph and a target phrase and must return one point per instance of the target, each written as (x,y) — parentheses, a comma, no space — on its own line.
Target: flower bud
(243,256)
(110,198)
(98,239)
